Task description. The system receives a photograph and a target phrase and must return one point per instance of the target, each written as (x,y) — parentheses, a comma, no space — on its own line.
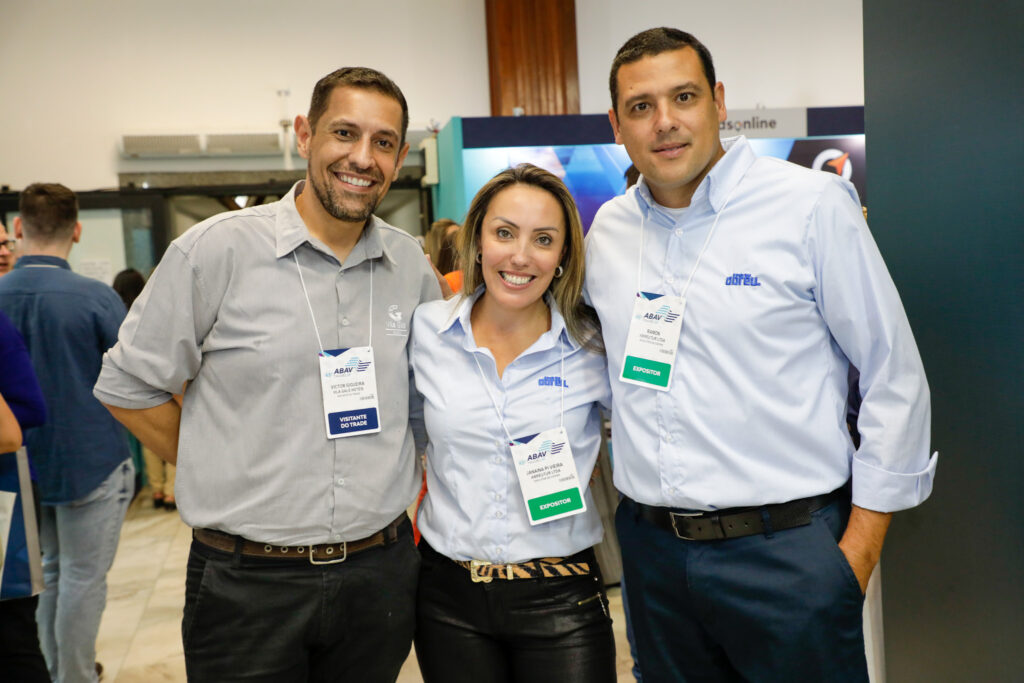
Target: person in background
(440,244)
(734,293)
(510,590)
(7,254)
(21,408)
(81,457)
(290,323)
(129,284)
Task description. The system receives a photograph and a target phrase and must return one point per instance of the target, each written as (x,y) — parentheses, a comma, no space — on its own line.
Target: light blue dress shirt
(790,291)
(474,507)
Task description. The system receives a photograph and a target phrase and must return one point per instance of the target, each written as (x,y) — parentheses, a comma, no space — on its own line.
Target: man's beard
(330,200)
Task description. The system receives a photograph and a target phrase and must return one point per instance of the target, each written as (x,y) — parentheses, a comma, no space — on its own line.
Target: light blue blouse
(474,507)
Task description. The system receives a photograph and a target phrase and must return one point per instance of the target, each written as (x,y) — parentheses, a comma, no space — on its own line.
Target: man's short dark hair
(653,42)
(355,77)
(48,211)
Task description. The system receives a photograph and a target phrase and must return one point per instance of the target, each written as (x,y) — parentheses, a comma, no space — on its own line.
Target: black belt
(717,525)
(324,553)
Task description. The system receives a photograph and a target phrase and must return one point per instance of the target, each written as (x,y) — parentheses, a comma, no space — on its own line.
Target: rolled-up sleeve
(159,345)
(892,469)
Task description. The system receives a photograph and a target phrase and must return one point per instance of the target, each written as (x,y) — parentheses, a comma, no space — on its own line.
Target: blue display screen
(596,173)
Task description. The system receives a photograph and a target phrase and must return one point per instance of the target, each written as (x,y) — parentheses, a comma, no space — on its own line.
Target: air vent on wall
(201,145)
(160,145)
(246,144)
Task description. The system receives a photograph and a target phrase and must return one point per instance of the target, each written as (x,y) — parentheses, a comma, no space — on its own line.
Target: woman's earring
(479,257)
(559,270)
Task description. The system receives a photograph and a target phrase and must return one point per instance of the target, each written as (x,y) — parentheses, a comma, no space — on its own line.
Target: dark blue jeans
(273,620)
(526,630)
(784,606)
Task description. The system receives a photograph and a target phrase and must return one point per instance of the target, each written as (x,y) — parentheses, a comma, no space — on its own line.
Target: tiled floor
(140,637)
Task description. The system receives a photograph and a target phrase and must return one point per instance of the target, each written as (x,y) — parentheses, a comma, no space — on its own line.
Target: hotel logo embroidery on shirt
(742,280)
(395,325)
(551,382)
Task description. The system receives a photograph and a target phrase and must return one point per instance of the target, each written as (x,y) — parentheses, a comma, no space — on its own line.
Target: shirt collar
(291,232)
(42,261)
(712,191)
(458,323)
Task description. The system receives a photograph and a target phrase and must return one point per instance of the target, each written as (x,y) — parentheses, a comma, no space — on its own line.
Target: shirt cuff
(120,389)
(884,491)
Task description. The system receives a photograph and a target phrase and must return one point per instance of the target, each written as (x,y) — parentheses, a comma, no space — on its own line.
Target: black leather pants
(536,630)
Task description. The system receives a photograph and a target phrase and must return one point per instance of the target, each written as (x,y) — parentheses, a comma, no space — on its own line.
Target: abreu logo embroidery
(742,280)
(551,382)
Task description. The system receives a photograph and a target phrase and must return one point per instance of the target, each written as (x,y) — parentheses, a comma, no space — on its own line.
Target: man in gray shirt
(295,466)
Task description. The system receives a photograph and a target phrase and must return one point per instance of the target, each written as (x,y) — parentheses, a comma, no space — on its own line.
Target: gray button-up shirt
(225,311)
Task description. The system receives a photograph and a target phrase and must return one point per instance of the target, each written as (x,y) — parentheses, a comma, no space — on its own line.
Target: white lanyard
(310,305)
(544,463)
(704,248)
(561,398)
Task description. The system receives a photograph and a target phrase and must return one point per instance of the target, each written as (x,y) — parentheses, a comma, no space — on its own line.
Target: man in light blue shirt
(730,444)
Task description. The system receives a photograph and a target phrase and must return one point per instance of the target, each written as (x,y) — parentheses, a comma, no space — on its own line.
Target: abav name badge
(652,340)
(547,476)
(348,378)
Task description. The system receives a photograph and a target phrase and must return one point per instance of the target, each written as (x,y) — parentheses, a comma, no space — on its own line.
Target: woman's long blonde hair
(567,290)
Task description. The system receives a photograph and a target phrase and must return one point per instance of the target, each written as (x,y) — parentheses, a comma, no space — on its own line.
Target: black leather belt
(717,525)
(324,553)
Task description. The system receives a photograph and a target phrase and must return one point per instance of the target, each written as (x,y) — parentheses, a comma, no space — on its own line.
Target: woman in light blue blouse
(511,375)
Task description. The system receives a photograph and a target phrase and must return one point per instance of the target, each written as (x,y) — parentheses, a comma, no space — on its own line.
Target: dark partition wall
(945,141)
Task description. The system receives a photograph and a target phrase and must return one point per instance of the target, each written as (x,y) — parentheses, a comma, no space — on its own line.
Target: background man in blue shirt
(7,255)
(744,557)
(80,455)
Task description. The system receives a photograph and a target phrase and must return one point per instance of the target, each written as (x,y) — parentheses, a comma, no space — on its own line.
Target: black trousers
(285,620)
(20,657)
(536,630)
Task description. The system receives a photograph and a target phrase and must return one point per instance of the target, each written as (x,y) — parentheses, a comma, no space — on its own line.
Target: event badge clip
(652,341)
(544,464)
(547,476)
(657,321)
(348,378)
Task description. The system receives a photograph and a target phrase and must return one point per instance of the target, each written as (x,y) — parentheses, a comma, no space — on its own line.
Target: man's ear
(401,160)
(19,233)
(719,92)
(76,235)
(614,120)
(303,134)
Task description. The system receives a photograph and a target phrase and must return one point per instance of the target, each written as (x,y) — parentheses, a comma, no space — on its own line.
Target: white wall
(78,74)
(783,53)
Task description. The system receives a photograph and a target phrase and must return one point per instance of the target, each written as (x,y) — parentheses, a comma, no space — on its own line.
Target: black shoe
(158,503)
(99,671)
(170,505)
